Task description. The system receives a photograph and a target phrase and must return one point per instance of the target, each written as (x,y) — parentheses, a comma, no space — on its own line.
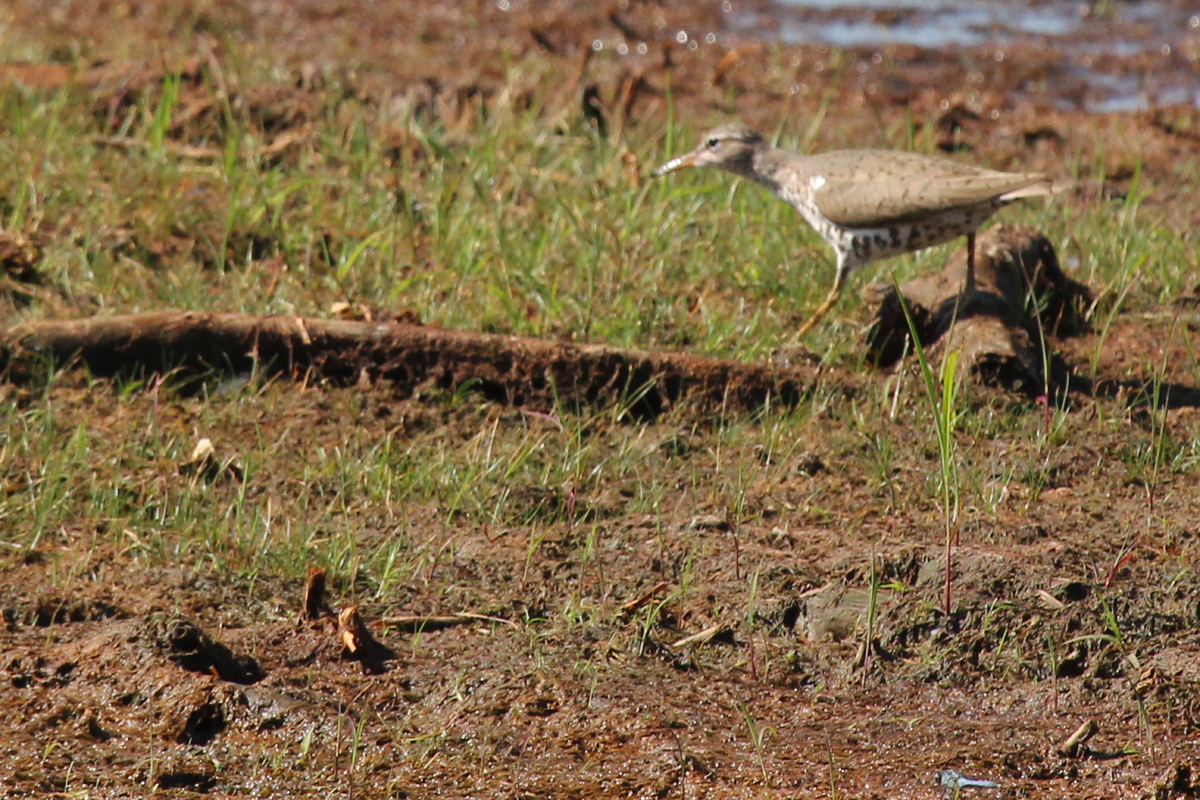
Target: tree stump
(1020,301)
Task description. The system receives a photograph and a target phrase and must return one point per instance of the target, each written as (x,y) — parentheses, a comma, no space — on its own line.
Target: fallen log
(514,370)
(1021,299)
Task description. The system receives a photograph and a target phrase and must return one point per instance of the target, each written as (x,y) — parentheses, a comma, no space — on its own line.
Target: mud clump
(185,644)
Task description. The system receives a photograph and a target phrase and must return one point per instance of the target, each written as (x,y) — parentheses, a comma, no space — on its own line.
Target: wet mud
(699,651)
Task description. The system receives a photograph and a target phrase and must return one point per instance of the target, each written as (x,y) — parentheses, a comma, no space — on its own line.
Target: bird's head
(730,147)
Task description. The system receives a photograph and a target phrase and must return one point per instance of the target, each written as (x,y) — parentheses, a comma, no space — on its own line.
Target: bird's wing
(871,189)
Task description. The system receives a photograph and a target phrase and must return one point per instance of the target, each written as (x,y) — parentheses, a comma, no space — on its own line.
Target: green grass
(520,219)
(513,225)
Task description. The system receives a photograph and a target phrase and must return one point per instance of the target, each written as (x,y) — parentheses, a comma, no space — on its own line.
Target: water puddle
(1117,56)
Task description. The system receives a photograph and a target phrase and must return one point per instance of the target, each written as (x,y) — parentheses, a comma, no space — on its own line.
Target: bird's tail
(1039,186)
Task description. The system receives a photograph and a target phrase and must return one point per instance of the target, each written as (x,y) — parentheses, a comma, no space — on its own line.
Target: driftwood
(423,623)
(509,369)
(703,637)
(1001,330)
(1071,746)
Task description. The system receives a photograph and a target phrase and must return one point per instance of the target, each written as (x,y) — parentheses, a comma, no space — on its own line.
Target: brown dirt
(120,680)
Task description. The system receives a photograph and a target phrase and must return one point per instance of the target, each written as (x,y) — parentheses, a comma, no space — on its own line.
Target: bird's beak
(682,162)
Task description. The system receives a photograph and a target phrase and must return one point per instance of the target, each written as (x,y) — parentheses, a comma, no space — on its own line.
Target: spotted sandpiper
(868,204)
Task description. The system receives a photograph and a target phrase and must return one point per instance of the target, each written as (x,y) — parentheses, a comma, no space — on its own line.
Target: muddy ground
(131,667)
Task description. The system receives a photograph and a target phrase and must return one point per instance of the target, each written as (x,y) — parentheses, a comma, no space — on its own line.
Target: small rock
(709,522)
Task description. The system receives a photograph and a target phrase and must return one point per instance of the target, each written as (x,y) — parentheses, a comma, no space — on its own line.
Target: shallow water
(1160,39)
(932,23)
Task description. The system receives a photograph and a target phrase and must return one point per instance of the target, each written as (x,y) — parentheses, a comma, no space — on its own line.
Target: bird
(868,204)
(952,782)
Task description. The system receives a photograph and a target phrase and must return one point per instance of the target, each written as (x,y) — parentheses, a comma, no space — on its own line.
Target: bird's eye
(713,141)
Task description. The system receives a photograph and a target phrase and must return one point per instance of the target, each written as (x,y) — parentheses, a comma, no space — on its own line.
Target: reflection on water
(1079,31)
(977,22)
(928,24)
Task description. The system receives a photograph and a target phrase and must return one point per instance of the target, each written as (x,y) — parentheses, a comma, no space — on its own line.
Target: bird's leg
(839,281)
(968,289)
